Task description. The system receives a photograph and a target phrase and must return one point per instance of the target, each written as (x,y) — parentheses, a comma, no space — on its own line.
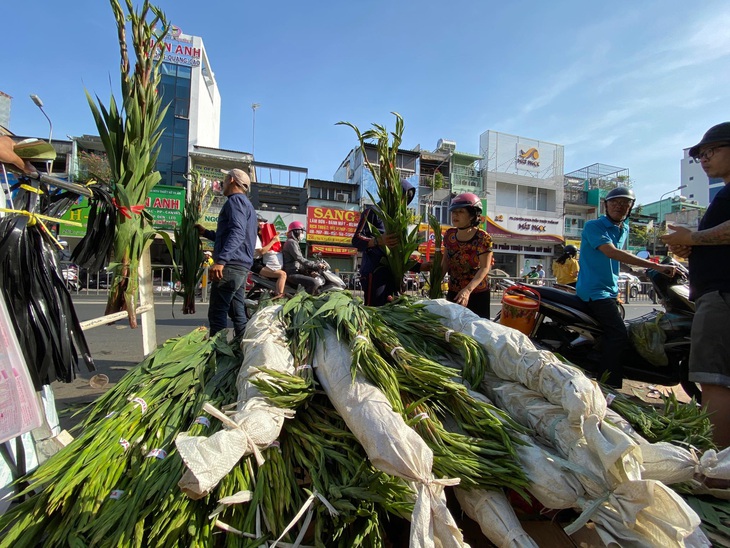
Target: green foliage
(130,133)
(438,181)
(436,275)
(391,206)
(187,251)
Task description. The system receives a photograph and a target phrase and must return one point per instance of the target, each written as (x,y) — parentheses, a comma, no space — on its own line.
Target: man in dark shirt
(235,242)
(708,251)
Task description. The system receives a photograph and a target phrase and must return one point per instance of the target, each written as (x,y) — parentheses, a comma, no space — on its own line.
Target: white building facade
(523,180)
(699,186)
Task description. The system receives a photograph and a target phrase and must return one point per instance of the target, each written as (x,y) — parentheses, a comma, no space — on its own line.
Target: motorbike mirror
(643,254)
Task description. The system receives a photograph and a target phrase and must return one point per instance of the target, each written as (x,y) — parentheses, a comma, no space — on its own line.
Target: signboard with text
(165,204)
(331,225)
(332,250)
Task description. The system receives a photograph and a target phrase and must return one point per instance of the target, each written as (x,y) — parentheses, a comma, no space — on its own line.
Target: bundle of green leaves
(391,204)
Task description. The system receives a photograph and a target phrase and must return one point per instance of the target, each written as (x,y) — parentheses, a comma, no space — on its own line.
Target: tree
(93,166)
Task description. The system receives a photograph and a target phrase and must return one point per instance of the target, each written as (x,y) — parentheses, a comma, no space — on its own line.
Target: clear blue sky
(623,83)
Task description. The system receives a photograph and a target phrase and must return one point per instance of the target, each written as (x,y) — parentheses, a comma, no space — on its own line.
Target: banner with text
(165,204)
(331,225)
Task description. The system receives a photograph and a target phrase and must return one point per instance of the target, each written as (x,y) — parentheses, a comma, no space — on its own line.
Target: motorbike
(258,286)
(564,325)
(70,274)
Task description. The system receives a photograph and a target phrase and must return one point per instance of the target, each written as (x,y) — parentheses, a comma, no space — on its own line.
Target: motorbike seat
(562,297)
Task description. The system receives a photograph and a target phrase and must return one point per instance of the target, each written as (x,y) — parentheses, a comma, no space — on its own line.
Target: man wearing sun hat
(233,250)
(708,251)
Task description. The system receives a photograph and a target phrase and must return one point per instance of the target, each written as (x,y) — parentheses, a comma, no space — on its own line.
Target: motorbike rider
(600,259)
(299,271)
(566,266)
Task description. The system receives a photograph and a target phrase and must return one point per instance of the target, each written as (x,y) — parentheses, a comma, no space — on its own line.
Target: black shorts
(257,265)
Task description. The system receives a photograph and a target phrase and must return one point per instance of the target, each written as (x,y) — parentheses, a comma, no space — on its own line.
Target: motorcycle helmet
(570,250)
(471,203)
(295,229)
(409,191)
(621,192)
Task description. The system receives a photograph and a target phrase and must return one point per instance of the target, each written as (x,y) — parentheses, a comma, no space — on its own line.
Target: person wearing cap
(708,251)
(233,249)
(601,256)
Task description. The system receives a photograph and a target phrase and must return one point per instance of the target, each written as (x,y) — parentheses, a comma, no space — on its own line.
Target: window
(506,195)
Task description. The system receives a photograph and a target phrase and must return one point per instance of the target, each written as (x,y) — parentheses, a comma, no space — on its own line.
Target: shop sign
(528,225)
(331,225)
(178,50)
(527,157)
(164,203)
(332,250)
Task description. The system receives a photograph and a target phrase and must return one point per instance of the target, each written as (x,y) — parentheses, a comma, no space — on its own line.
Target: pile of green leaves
(479,446)
(130,136)
(391,203)
(685,424)
(104,488)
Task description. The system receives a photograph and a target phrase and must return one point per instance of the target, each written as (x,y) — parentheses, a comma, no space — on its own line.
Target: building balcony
(572,232)
(574,196)
(427,181)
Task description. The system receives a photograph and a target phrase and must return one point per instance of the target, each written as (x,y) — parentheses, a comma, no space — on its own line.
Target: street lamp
(254,106)
(39,104)
(659,213)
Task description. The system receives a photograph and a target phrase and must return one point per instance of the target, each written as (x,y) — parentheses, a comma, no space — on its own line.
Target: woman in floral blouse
(467,255)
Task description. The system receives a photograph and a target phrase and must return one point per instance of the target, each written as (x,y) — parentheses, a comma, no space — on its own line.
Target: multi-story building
(5,103)
(584,190)
(523,179)
(354,170)
(192,119)
(699,186)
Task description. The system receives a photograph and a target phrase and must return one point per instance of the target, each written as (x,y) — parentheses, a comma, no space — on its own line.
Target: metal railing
(81,282)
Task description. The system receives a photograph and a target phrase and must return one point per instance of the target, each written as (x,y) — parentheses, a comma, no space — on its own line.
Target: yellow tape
(31,188)
(39,216)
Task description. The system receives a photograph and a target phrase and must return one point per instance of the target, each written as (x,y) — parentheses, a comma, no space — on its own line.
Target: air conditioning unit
(342,197)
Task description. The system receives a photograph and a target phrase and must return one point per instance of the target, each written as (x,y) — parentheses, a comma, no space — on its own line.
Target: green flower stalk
(187,250)
(130,135)
(391,207)
(436,275)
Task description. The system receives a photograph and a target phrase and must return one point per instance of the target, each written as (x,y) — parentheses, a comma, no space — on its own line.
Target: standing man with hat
(708,251)
(235,242)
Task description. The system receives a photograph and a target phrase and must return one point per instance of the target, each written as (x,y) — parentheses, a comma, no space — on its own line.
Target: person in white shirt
(271,263)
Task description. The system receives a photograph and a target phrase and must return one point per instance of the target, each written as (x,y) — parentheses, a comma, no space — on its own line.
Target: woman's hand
(462,297)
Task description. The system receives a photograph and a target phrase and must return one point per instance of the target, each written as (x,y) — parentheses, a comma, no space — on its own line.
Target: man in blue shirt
(235,243)
(600,258)
(708,250)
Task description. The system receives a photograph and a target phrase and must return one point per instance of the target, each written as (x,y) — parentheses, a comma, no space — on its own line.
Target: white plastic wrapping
(390,444)
(512,356)
(255,424)
(495,516)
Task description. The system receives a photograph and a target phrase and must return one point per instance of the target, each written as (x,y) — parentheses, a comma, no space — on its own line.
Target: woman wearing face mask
(467,255)
(299,271)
